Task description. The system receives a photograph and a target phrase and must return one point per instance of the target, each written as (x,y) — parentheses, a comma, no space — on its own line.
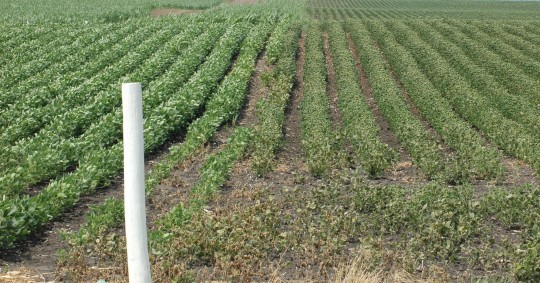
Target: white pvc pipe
(134,202)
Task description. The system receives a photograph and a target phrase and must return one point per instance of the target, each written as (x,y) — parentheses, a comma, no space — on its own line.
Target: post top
(131,89)
(131,84)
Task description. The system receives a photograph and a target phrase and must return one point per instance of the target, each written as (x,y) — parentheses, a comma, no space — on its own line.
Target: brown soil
(404,171)
(289,161)
(175,189)
(331,86)
(518,173)
(290,158)
(160,12)
(293,148)
(247,117)
(257,91)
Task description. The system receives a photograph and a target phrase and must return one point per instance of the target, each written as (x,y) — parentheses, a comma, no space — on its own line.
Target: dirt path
(161,12)
(518,173)
(290,167)
(241,1)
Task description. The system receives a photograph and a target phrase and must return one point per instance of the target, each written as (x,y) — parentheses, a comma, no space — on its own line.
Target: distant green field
(458,9)
(46,9)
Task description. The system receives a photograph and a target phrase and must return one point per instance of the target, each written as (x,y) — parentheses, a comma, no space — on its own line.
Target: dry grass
(23,276)
(358,271)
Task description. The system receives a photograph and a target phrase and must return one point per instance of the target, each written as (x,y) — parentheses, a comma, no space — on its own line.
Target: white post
(134,202)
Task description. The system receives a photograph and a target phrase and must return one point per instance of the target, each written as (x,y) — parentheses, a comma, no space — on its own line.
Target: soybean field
(285,141)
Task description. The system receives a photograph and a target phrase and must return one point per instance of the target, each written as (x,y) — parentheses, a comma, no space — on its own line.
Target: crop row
(408,129)
(359,125)
(63,99)
(16,72)
(197,4)
(509,75)
(19,72)
(107,129)
(508,52)
(317,136)
(341,13)
(12,35)
(42,87)
(511,106)
(270,111)
(277,42)
(65,148)
(31,120)
(21,215)
(37,49)
(532,27)
(527,69)
(26,41)
(527,48)
(507,134)
(522,34)
(223,106)
(355,9)
(473,158)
